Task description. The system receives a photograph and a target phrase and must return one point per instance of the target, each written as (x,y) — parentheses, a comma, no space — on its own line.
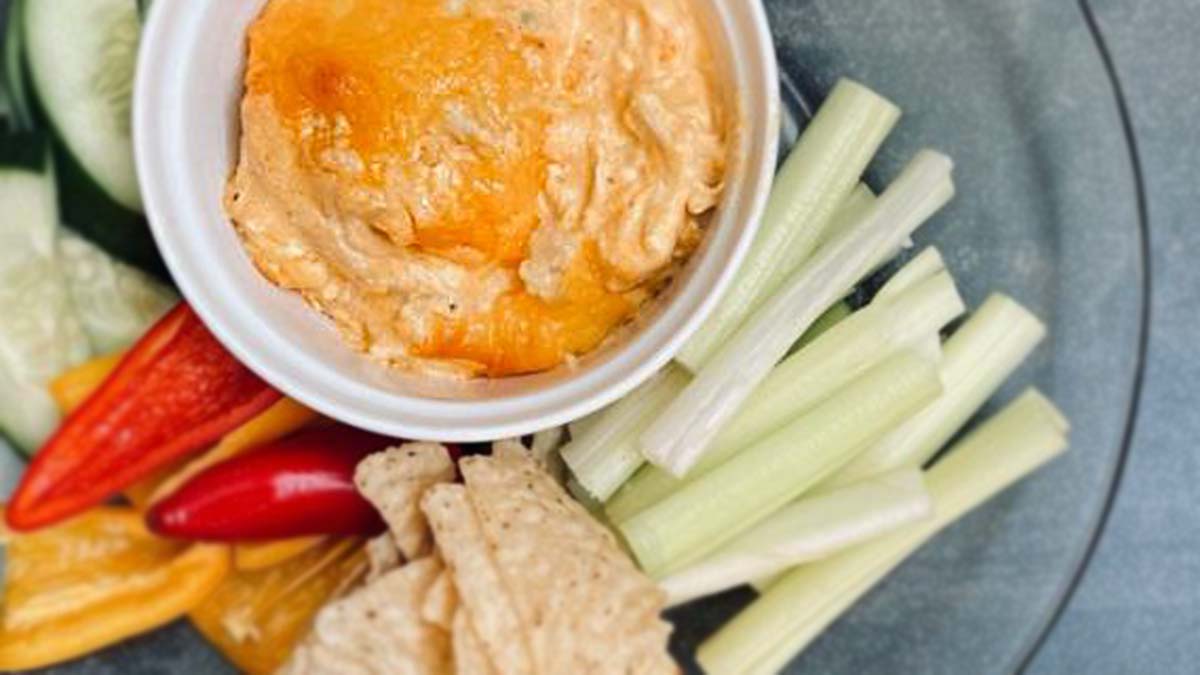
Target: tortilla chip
(441,602)
(585,606)
(480,589)
(378,629)
(382,556)
(470,657)
(544,452)
(509,447)
(394,481)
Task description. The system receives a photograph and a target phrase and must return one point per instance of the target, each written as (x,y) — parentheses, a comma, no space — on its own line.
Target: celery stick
(646,488)
(852,208)
(819,174)
(979,357)
(869,336)
(580,494)
(924,265)
(579,427)
(606,454)
(679,437)
(764,583)
(723,503)
(808,529)
(832,317)
(773,629)
(858,343)
(544,449)
(548,441)
(935,200)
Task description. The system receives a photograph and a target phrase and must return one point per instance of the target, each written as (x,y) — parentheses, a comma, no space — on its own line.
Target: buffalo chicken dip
(477,187)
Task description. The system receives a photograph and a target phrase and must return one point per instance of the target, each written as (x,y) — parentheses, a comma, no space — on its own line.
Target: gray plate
(1016,91)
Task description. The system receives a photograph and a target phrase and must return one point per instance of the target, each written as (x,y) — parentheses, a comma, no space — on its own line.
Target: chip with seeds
(394,481)
(470,657)
(584,605)
(480,587)
(441,602)
(382,556)
(378,629)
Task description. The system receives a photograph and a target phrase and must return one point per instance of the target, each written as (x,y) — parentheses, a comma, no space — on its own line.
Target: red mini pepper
(175,393)
(300,486)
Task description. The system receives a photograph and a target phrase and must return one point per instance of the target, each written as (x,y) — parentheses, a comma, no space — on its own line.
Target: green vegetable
(40,335)
(808,529)
(978,358)
(850,211)
(604,456)
(723,503)
(832,317)
(15,81)
(115,302)
(81,56)
(860,342)
(772,630)
(924,265)
(682,434)
(818,175)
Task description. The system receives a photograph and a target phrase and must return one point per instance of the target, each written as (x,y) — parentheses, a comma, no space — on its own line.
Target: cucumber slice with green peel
(115,303)
(40,335)
(5,110)
(23,150)
(86,209)
(15,82)
(87,203)
(81,56)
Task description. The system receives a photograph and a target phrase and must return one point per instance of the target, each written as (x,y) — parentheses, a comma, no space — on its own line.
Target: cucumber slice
(116,303)
(5,109)
(81,56)
(21,114)
(40,335)
(86,209)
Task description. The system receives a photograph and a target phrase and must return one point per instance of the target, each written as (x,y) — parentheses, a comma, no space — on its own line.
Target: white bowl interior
(186,125)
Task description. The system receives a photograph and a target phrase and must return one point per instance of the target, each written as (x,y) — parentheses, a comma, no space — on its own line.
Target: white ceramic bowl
(186,125)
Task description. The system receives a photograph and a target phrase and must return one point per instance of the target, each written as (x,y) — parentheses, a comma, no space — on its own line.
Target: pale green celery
(580,494)
(808,529)
(832,317)
(978,358)
(579,427)
(924,265)
(815,180)
(606,454)
(646,488)
(934,202)
(725,502)
(858,343)
(544,450)
(852,208)
(764,583)
(797,608)
(548,441)
(685,429)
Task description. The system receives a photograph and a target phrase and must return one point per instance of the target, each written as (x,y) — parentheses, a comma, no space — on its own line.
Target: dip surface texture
(476,187)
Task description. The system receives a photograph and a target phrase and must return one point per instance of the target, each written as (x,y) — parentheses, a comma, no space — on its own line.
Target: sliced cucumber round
(20,113)
(5,109)
(40,335)
(116,303)
(81,56)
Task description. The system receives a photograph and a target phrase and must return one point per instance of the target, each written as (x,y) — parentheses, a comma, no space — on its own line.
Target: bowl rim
(345,397)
